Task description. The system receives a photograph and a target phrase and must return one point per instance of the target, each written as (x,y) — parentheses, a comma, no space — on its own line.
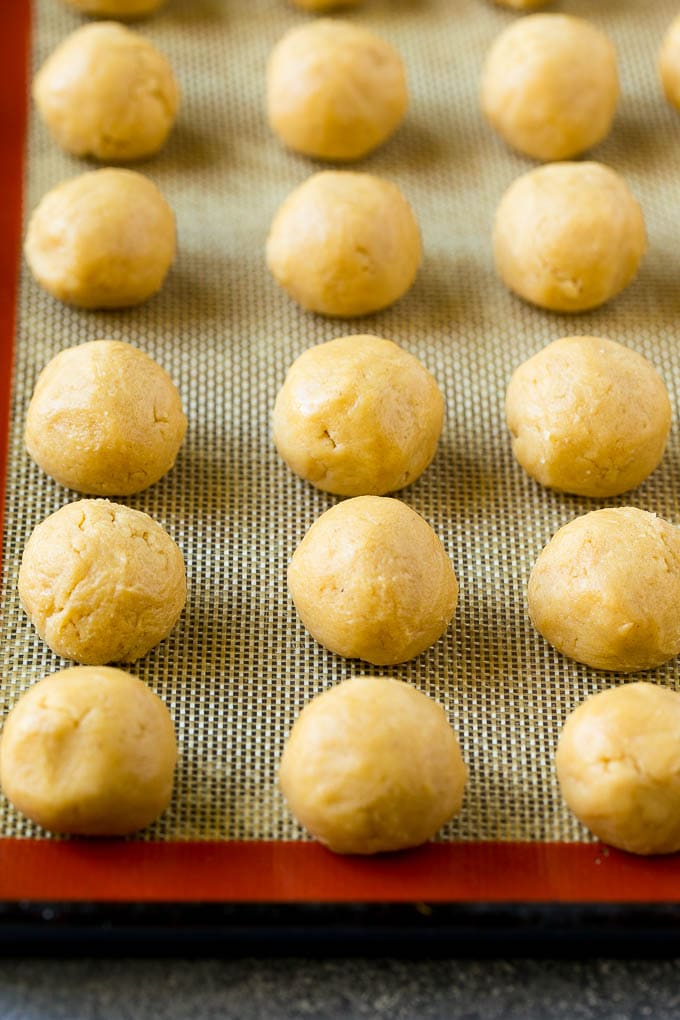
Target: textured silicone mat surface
(239,666)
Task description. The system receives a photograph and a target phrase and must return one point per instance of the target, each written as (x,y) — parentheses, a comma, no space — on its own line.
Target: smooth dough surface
(605,590)
(344,244)
(588,416)
(371,580)
(550,85)
(618,766)
(107,92)
(335,91)
(372,765)
(104,419)
(669,63)
(568,236)
(89,751)
(105,239)
(101,582)
(358,415)
(123,9)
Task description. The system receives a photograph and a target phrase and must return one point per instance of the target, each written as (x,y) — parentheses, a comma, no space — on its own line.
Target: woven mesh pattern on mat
(239,666)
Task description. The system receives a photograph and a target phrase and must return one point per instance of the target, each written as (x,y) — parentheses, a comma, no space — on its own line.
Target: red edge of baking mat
(292,872)
(119,871)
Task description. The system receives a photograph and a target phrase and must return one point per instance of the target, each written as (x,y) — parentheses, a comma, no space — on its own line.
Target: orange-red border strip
(280,872)
(15,33)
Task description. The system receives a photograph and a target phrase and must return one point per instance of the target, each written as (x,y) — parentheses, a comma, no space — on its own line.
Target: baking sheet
(239,666)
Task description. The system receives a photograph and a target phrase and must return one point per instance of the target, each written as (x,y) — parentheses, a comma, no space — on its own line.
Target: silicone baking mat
(239,666)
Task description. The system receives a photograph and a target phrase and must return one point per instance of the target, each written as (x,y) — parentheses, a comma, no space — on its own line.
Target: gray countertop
(288,989)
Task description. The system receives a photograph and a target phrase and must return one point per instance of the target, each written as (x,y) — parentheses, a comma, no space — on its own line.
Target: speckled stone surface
(288,989)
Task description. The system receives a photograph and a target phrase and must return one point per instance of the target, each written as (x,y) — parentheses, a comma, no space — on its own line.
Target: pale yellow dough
(335,91)
(101,582)
(89,751)
(344,244)
(568,236)
(358,415)
(371,580)
(618,766)
(123,9)
(105,239)
(372,765)
(324,5)
(550,86)
(107,92)
(104,419)
(605,590)
(669,63)
(588,416)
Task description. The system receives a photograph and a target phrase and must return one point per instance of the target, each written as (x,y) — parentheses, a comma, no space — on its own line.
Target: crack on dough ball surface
(89,751)
(618,766)
(123,9)
(522,5)
(371,580)
(104,419)
(568,236)
(324,5)
(101,582)
(669,63)
(605,590)
(550,86)
(335,91)
(344,244)
(588,416)
(105,239)
(108,93)
(372,765)
(358,415)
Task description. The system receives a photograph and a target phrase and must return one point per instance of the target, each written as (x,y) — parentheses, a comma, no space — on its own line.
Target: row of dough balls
(345,244)
(140,8)
(371,765)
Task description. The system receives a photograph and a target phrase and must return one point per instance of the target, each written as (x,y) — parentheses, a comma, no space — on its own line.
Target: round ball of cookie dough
(107,92)
(372,765)
(344,244)
(568,236)
(371,580)
(101,582)
(335,91)
(89,751)
(669,63)
(122,9)
(588,416)
(550,86)
(618,766)
(358,415)
(104,419)
(605,590)
(105,239)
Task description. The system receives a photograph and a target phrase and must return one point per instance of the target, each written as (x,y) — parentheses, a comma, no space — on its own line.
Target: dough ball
(107,92)
(588,416)
(105,239)
(605,590)
(101,583)
(372,765)
(324,5)
(669,63)
(344,244)
(568,236)
(550,86)
(89,751)
(372,581)
(618,766)
(105,419)
(358,415)
(334,90)
(123,9)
